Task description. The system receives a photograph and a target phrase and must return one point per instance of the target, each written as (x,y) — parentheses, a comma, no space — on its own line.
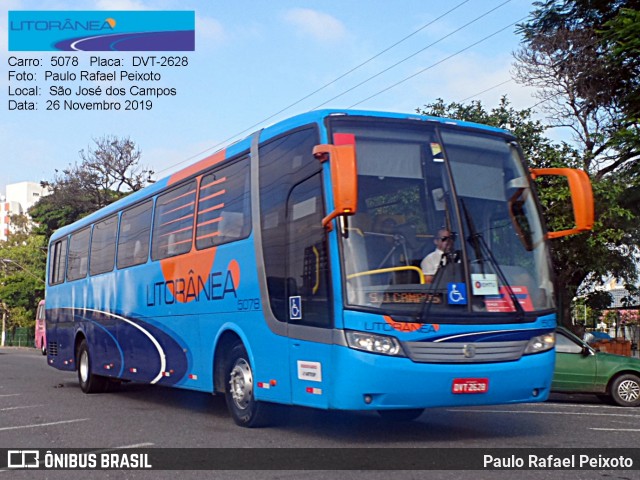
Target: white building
(620,296)
(19,198)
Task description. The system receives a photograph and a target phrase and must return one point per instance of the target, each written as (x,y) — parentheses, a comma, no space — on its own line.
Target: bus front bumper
(365,381)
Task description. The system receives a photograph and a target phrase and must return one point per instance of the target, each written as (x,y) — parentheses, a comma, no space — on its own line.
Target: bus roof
(312,117)
(317,116)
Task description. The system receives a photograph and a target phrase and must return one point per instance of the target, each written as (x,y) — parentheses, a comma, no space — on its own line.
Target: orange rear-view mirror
(581,198)
(344,178)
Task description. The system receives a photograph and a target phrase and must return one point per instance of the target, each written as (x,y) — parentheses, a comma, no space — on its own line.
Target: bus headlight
(541,343)
(382,344)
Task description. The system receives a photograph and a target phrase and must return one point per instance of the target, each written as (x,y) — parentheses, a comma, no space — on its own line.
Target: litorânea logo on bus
(101,31)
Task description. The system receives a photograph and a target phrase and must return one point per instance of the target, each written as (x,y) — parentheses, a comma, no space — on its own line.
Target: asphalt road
(41,407)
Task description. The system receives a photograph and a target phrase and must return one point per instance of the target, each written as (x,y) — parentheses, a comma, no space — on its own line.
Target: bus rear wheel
(239,388)
(43,348)
(406,415)
(89,382)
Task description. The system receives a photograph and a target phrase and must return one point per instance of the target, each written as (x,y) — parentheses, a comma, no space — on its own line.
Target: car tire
(625,390)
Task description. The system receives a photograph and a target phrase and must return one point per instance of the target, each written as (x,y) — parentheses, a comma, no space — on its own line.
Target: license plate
(470,385)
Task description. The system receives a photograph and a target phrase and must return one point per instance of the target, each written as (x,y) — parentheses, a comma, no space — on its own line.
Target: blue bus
(290,269)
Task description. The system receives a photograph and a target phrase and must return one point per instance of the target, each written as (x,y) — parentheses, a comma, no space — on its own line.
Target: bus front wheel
(239,386)
(89,382)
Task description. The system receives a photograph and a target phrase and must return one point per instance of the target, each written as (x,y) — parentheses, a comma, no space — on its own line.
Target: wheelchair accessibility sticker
(457,293)
(295,308)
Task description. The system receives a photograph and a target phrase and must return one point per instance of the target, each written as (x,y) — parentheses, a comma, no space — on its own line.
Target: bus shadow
(439,426)
(168,397)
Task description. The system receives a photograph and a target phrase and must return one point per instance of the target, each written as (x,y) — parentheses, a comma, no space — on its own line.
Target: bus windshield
(446,225)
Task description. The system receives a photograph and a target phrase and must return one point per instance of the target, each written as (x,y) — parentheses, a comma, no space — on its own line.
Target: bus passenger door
(310,319)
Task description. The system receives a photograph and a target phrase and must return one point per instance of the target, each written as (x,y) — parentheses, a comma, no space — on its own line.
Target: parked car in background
(41,329)
(581,368)
(595,336)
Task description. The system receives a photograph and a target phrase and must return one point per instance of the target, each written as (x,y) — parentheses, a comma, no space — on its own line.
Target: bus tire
(89,382)
(239,387)
(625,390)
(405,415)
(43,348)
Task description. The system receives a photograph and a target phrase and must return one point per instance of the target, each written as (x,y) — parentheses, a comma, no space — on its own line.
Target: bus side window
(133,240)
(138,254)
(285,161)
(103,246)
(224,208)
(173,222)
(307,265)
(78,254)
(58,262)
(172,245)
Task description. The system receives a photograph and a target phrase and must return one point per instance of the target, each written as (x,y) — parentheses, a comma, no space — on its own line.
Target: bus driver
(430,263)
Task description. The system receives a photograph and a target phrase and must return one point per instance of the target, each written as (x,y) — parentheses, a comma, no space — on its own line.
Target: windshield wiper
(451,258)
(480,245)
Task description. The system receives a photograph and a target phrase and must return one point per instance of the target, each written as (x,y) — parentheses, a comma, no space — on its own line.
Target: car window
(566,345)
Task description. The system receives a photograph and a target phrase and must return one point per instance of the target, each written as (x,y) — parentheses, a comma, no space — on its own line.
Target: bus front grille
(450,352)
(52,349)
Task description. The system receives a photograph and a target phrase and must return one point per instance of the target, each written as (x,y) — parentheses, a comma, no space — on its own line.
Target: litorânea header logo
(98,31)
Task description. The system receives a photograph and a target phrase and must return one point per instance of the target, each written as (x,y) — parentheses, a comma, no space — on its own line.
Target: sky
(258,62)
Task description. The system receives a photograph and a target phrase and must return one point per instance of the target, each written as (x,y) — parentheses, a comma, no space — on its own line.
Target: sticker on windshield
(295,308)
(457,293)
(436,151)
(503,303)
(484,283)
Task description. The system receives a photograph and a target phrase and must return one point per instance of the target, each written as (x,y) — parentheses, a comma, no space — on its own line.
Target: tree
(623,33)
(538,149)
(22,276)
(568,54)
(107,171)
(582,56)
(20,227)
(19,317)
(579,259)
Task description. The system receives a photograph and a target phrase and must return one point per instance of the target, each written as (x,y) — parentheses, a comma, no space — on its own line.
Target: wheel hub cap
(629,391)
(84,366)
(241,383)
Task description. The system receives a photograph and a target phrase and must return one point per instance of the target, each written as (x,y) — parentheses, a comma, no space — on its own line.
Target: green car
(583,369)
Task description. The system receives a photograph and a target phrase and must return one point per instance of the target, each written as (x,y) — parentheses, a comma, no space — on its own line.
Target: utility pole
(4,324)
